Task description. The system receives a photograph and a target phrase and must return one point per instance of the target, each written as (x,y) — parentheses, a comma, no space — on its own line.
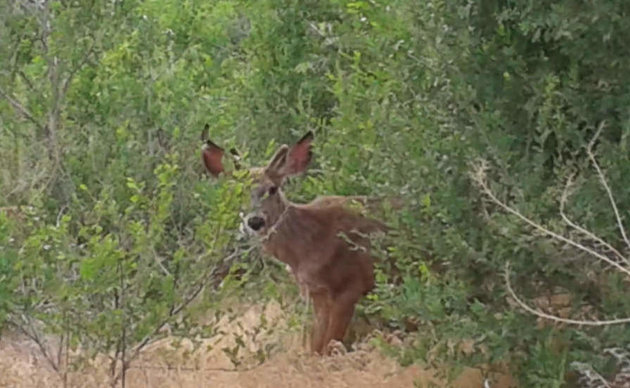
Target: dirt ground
(165,364)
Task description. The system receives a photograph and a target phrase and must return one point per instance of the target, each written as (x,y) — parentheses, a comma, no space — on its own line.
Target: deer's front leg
(321,305)
(301,284)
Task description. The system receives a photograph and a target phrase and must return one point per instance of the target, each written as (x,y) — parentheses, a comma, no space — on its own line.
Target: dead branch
(542,314)
(32,333)
(623,264)
(20,109)
(26,80)
(479,176)
(604,183)
(66,82)
(158,260)
(205,280)
(591,374)
(563,200)
(194,369)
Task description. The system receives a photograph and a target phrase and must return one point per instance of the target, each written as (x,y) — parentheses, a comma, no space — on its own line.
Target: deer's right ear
(211,154)
(299,156)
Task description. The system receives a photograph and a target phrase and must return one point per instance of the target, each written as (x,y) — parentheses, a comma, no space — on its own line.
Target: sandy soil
(173,362)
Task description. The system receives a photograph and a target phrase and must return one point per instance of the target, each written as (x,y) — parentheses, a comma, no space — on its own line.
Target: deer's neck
(276,212)
(291,235)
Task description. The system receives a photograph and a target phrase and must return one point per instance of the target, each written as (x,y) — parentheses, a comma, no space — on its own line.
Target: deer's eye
(273,190)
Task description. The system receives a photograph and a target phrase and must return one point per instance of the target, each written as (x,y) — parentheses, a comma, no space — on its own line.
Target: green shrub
(100,150)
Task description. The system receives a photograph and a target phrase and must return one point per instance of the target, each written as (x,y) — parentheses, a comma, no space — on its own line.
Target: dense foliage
(109,228)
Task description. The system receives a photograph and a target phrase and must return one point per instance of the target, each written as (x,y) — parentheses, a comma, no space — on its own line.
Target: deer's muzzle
(255,223)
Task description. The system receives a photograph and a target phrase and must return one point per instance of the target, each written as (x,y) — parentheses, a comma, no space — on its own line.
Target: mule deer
(325,243)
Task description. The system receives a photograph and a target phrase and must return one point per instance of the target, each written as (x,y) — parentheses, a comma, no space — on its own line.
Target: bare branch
(66,82)
(53,78)
(60,348)
(590,373)
(200,286)
(158,261)
(193,369)
(21,109)
(602,179)
(563,200)
(555,318)
(33,335)
(479,177)
(123,333)
(26,80)
(60,215)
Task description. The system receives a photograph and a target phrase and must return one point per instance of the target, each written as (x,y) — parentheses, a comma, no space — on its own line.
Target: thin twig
(484,186)
(191,369)
(64,344)
(604,183)
(201,285)
(33,336)
(28,82)
(21,109)
(61,341)
(563,200)
(587,370)
(66,82)
(67,363)
(60,215)
(123,333)
(158,261)
(555,318)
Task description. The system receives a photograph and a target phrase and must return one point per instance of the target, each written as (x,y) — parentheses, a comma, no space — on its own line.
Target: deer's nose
(255,222)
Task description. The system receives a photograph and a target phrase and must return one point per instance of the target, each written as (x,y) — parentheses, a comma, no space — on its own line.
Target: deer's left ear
(211,154)
(299,156)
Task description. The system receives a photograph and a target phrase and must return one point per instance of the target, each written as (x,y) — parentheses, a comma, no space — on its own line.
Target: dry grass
(173,362)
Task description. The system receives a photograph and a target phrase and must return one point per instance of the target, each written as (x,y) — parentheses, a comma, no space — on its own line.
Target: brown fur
(325,242)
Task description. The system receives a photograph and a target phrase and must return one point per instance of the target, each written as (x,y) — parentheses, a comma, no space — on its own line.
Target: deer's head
(267,200)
